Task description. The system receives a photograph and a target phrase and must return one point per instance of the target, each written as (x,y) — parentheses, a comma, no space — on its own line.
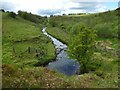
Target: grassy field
(26,50)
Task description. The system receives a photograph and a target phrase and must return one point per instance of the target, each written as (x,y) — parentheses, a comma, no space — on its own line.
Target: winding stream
(63,63)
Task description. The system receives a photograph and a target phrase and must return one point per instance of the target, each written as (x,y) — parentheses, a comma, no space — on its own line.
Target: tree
(82,47)
(51,16)
(63,14)
(52,22)
(29,16)
(2,10)
(12,14)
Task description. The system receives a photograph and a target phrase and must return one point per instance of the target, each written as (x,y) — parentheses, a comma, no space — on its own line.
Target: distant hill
(105,23)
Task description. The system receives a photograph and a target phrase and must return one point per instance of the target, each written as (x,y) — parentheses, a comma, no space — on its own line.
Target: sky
(58,7)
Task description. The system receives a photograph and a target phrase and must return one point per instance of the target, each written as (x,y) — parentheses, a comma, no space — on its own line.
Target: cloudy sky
(58,7)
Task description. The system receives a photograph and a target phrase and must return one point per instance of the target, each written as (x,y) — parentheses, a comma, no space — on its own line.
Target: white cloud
(47,7)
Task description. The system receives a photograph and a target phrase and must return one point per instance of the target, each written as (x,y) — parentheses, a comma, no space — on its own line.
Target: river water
(63,63)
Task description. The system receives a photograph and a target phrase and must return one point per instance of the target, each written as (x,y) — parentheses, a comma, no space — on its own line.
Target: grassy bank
(39,77)
(24,43)
(59,34)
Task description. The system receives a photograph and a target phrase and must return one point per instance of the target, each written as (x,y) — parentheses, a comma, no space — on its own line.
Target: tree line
(28,16)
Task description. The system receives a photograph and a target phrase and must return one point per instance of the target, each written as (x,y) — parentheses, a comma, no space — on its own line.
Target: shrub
(31,17)
(62,26)
(12,14)
(2,10)
(52,22)
(82,47)
(104,31)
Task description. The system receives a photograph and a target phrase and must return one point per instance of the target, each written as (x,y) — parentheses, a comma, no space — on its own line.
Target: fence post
(28,49)
(13,49)
(37,53)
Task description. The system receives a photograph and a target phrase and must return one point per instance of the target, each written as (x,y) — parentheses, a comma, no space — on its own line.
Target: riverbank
(64,37)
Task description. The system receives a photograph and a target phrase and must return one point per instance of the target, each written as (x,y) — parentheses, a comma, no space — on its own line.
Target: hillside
(26,50)
(105,24)
(67,27)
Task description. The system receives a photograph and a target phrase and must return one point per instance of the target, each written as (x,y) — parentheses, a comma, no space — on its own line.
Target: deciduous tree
(82,47)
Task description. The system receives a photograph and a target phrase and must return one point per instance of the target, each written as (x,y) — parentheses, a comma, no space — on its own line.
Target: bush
(82,47)
(62,26)
(31,17)
(52,22)
(104,31)
(2,10)
(12,14)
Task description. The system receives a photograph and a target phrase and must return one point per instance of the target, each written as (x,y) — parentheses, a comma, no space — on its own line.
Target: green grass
(18,36)
(18,29)
(105,25)
(21,39)
(23,46)
(39,77)
(59,34)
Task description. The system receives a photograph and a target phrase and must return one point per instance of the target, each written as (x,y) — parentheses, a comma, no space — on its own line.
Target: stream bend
(63,63)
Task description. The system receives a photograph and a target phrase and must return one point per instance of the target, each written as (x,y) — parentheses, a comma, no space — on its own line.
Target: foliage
(52,22)
(105,72)
(76,13)
(18,61)
(82,47)
(2,10)
(31,17)
(51,16)
(106,23)
(12,14)
(104,31)
(62,26)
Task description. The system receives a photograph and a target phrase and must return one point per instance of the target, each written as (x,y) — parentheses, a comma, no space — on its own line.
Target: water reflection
(63,63)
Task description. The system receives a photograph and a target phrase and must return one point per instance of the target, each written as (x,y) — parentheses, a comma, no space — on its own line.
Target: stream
(63,63)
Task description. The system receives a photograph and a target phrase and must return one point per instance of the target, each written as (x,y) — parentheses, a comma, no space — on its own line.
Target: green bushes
(82,47)
(31,17)
(104,31)
(75,29)
(2,10)
(28,16)
(62,26)
(106,24)
(12,14)
(52,22)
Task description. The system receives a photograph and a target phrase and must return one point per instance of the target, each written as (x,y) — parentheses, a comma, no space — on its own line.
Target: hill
(26,51)
(106,24)
(67,27)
